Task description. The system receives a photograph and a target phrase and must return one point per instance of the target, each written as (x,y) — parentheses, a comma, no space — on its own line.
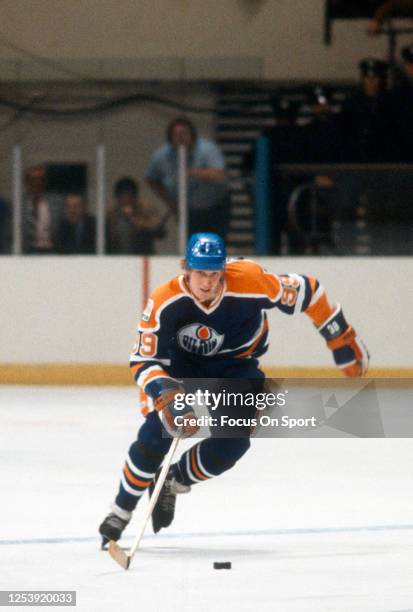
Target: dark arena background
(305,113)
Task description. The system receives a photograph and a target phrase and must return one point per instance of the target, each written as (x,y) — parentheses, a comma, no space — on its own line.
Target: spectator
(133,225)
(390,8)
(318,124)
(77,230)
(41,213)
(287,142)
(367,118)
(5,227)
(208,195)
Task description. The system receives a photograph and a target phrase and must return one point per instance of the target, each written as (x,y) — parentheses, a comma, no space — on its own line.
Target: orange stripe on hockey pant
(194,466)
(133,480)
(255,344)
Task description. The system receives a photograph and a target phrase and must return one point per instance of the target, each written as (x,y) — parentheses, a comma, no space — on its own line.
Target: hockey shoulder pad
(349,352)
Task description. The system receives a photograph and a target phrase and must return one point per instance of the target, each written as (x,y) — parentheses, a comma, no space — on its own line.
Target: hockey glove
(349,352)
(178,422)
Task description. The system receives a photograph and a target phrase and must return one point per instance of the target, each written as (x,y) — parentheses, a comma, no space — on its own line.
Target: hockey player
(210,323)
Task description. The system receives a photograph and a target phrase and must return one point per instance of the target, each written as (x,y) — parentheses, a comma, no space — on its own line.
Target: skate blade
(119,555)
(104,544)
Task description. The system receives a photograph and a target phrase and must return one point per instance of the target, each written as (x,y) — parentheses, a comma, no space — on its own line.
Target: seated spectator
(5,227)
(41,213)
(133,225)
(77,230)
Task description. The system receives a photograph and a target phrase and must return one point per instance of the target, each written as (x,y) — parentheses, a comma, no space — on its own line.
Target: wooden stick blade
(119,555)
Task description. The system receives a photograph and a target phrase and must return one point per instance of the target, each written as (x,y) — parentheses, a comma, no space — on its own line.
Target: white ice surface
(308,524)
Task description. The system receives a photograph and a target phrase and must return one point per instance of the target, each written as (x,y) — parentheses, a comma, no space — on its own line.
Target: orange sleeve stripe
(313,283)
(320,311)
(133,480)
(136,368)
(252,348)
(154,375)
(195,467)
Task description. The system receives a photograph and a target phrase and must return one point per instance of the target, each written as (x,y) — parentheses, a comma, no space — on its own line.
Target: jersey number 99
(146,344)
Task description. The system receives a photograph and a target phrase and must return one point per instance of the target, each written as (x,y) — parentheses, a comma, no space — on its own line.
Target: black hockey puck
(222,565)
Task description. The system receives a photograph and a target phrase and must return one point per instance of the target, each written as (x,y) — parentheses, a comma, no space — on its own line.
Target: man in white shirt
(42,213)
(208,196)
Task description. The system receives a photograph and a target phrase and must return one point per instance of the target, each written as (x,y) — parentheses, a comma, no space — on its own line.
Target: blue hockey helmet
(205,251)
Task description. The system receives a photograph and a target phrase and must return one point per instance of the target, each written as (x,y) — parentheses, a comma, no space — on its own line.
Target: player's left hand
(349,352)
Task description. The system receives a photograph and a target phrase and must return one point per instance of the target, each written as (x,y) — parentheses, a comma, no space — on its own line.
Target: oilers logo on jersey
(200,339)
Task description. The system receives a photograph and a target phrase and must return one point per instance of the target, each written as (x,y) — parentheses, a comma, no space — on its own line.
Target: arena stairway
(241,115)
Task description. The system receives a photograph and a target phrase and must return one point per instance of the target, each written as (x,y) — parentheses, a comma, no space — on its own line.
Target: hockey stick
(120,556)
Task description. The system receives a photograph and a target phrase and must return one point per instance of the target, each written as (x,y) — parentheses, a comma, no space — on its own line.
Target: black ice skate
(164,510)
(114,524)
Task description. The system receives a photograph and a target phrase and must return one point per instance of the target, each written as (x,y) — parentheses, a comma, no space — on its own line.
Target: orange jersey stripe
(154,375)
(320,311)
(195,467)
(313,283)
(252,348)
(133,480)
(136,368)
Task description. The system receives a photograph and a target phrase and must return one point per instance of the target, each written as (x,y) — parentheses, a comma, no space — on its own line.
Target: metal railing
(100,208)
(366,209)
